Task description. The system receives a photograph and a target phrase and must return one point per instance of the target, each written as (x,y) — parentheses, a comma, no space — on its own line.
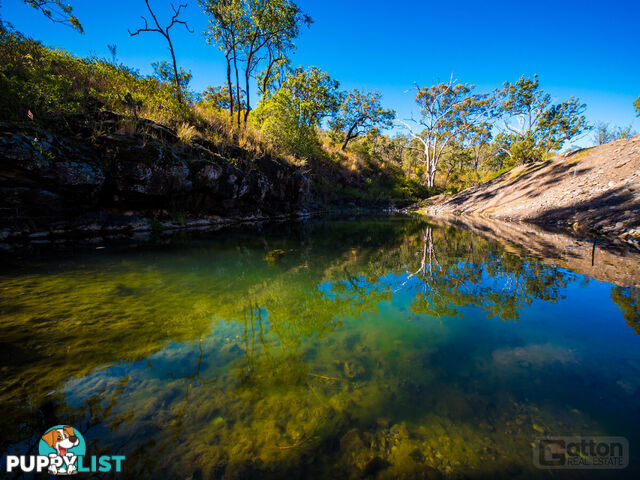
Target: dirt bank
(596,190)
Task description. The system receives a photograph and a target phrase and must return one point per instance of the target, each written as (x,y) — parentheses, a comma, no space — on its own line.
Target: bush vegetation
(301,114)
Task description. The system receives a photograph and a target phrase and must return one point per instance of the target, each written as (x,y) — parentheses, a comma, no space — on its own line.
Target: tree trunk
(230,87)
(349,136)
(268,72)
(246,81)
(176,78)
(431,179)
(235,66)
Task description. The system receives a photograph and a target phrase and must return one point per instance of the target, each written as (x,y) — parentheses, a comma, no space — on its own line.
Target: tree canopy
(252,33)
(532,125)
(290,115)
(359,112)
(448,112)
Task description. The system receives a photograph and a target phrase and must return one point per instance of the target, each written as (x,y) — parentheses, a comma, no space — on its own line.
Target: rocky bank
(101,180)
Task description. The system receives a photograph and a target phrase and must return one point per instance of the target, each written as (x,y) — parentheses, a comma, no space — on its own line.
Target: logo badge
(581,453)
(63,451)
(63,445)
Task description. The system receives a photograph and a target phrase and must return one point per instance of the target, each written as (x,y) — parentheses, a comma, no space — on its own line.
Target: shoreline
(146,228)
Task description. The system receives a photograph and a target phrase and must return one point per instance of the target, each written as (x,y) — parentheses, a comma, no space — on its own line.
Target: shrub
(54,85)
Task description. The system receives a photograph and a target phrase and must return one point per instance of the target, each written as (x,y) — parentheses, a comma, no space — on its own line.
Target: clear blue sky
(584,48)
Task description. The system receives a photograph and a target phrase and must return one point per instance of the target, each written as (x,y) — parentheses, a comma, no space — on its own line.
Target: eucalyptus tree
(311,95)
(532,124)
(269,33)
(449,113)
(253,33)
(219,97)
(57,11)
(562,122)
(165,32)
(360,112)
(480,138)
(224,30)
(165,73)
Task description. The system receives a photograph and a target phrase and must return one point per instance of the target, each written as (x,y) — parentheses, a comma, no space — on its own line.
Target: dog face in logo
(61,440)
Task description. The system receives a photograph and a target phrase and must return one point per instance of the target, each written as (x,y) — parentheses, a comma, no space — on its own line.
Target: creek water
(371,347)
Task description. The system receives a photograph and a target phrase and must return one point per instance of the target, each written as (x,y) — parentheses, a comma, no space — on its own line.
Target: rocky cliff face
(50,181)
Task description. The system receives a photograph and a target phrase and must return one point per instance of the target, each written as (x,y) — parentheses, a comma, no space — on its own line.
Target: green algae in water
(378,348)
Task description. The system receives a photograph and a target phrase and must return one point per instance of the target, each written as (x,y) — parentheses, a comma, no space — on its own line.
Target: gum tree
(604,133)
(450,112)
(269,31)
(253,33)
(165,32)
(359,113)
(532,124)
(560,123)
(224,30)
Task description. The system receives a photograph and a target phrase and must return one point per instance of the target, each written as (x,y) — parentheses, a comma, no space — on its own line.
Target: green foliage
(562,122)
(218,97)
(450,113)
(288,118)
(57,11)
(359,113)
(163,71)
(637,105)
(132,104)
(55,85)
(253,33)
(533,125)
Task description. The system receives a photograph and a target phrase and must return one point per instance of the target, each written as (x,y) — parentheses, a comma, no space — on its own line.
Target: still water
(380,348)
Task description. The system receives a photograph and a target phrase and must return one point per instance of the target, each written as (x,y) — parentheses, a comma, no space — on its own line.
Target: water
(379,348)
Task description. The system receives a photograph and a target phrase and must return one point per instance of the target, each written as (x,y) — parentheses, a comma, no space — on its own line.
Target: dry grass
(186,133)
(221,129)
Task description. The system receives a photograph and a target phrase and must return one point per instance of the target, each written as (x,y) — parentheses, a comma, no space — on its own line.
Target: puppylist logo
(62,451)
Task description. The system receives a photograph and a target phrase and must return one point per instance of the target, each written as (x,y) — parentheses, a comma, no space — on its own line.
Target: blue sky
(586,48)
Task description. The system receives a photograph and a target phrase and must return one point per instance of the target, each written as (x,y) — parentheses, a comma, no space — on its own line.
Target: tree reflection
(628,301)
(457,269)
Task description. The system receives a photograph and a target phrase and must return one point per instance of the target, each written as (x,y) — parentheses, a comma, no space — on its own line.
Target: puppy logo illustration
(63,445)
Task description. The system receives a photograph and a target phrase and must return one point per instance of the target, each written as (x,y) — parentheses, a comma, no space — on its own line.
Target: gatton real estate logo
(62,451)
